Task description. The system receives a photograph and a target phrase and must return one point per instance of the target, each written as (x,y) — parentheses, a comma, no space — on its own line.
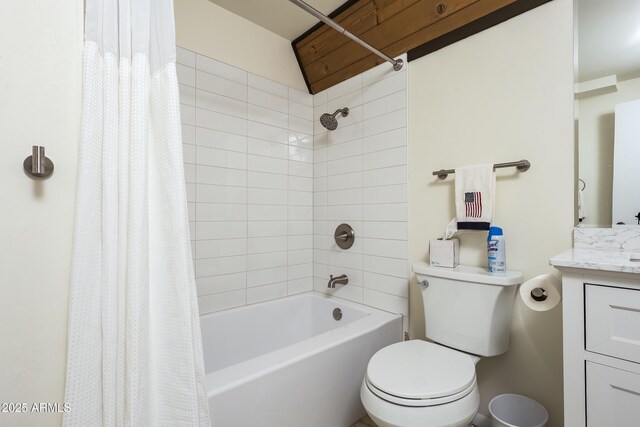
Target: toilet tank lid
(466,273)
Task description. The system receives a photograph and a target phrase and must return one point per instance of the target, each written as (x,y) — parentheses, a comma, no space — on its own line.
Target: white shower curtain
(134,345)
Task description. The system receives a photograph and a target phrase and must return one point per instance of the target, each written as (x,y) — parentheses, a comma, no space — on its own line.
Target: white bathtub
(287,362)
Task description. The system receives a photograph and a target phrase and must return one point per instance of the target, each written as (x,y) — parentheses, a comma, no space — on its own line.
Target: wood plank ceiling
(327,57)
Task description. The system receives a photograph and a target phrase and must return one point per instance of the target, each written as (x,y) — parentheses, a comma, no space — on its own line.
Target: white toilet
(433,384)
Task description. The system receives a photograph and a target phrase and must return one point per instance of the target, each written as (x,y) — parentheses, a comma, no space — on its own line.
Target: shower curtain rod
(397,63)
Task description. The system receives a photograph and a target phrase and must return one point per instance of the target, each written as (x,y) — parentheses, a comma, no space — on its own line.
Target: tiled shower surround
(360,177)
(262,213)
(248,152)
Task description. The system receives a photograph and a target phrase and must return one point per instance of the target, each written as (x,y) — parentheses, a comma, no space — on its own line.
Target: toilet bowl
(433,384)
(417,383)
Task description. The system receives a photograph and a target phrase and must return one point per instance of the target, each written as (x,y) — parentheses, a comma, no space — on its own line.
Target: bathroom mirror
(607,107)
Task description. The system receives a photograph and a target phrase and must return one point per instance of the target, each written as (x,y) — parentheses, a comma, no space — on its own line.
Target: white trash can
(514,410)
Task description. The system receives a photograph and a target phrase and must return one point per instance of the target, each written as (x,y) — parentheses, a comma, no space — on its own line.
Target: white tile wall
(248,153)
(267,185)
(360,177)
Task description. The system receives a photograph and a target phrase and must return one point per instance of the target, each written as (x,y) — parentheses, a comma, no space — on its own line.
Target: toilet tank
(467,308)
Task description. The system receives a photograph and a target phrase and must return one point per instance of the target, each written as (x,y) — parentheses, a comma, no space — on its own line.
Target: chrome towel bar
(521,165)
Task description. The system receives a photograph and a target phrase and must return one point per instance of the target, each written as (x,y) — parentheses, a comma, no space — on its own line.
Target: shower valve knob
(344,236)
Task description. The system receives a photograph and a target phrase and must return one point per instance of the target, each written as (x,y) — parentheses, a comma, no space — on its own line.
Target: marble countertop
(623,261)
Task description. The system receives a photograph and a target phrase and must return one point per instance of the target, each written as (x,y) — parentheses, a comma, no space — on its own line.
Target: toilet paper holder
(543,292)
(539,294)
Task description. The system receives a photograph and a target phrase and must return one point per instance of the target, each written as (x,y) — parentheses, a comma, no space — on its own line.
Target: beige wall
(40,81)
(206,28)
(504,94)
(596,123)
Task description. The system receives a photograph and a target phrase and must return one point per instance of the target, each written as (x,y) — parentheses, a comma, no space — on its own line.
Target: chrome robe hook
(37,165)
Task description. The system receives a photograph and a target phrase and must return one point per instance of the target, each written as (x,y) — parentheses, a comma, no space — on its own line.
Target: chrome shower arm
(397,63)
(344,111)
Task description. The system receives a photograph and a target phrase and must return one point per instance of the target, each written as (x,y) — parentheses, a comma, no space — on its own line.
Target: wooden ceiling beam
(327,57)
(390,32)
(359,21)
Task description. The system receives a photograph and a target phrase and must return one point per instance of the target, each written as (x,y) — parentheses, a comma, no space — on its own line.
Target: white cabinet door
(613,397)
(612,317)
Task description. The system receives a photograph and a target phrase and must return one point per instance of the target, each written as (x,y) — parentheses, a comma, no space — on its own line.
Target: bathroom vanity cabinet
(601,337)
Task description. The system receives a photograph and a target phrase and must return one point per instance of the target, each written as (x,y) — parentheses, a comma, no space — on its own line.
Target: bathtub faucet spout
(340,280)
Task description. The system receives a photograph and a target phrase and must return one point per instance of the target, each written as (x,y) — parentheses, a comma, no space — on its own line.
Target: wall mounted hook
(37,165)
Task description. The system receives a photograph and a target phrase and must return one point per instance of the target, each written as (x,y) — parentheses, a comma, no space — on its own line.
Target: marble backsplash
(620,238)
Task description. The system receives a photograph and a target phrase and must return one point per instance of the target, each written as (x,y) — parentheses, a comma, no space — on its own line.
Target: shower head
(330,121)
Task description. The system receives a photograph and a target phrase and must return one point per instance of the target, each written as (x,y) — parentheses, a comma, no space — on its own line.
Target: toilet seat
(418,373)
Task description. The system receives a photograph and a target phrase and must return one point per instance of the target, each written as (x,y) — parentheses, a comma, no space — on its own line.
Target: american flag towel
(475,188)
